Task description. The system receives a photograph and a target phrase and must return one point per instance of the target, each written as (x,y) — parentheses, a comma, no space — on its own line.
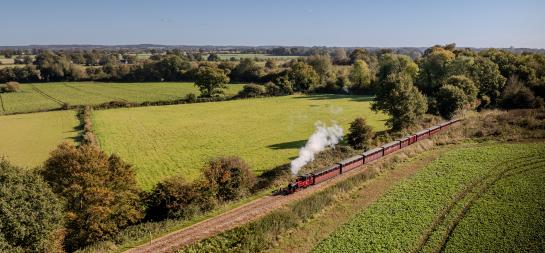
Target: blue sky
(384,23)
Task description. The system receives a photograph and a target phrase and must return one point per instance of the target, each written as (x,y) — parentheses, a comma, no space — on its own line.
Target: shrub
(516,95)
(30,212)
(191,98)
(360,134)
(175,198)
(450,99)
(10,87)
(230,176)
(99,191)
(252,91)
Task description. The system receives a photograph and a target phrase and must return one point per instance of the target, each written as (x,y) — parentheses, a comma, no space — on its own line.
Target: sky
(372,23)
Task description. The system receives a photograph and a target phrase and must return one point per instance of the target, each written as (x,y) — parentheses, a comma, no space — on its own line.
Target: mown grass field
(167,140)
(27,139)
(478,199)
(45,96)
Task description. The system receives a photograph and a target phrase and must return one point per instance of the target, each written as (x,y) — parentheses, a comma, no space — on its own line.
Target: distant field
(259,56)
(426,212)
(166,140)
(44,96)
(27,139)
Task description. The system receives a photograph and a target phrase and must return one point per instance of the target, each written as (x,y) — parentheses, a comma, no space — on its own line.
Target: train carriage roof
(423,131)
(351,159)
(332,167)
(372,151)
(393,143)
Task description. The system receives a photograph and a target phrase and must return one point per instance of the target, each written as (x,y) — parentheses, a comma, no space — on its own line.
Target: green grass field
(167,140)
(31,96)
(27,139)
(428,211)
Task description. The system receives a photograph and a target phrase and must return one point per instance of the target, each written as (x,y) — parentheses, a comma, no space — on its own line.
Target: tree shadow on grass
(288,145)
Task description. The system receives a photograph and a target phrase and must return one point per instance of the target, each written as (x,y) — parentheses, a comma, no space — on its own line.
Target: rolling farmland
(422,213)
(166,140)
(47,96)
(27,139)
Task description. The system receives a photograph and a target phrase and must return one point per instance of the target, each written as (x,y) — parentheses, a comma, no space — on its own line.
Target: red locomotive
(307,180)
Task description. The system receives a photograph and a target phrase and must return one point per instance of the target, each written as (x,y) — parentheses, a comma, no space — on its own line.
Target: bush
(30,213)
(100,192)
(230,176)
(450,99)
(252,91)
(360,134)
(191,98)
(175,198)
(10,87)
(516,95)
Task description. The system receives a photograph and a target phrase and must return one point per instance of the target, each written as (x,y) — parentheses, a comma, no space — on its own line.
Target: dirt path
(233,218)
(304,238)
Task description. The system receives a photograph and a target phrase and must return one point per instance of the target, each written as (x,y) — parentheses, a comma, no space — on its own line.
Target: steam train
(351,163)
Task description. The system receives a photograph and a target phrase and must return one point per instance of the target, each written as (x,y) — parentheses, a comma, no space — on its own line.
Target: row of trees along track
(233,218)
(462,202)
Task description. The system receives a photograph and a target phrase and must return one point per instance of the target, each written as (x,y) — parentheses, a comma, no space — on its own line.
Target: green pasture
(163,141)
(487,198)
(46,96)
(27,139)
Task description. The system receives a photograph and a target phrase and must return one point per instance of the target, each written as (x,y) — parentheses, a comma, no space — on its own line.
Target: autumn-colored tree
(99,191)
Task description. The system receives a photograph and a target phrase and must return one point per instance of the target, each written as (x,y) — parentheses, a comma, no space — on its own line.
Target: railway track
(233,218)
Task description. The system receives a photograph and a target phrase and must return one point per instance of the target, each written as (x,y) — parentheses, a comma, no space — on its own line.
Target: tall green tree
(360,76)
(396,94)
(321,63)
(434,68)
(99,192)
(303,77)
(487,76)
(211,81)
(30,212)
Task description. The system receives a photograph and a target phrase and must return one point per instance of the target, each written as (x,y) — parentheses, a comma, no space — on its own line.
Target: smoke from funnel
(323,137)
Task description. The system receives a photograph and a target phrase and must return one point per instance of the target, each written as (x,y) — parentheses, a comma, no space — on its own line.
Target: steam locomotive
(351,163)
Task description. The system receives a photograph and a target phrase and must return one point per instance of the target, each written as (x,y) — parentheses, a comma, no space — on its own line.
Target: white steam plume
(323,137)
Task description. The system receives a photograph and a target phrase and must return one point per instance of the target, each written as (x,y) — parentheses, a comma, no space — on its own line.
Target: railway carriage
(351,163)
(373,154)
(390,147)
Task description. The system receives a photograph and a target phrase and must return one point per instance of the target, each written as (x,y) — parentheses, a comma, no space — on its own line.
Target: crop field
(166,140)
(496,188)
(45,96)
(27,139)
